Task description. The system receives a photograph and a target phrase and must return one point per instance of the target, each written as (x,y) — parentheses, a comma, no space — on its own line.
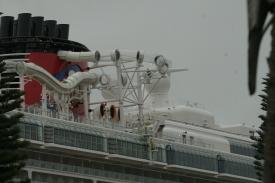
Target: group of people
(110,113)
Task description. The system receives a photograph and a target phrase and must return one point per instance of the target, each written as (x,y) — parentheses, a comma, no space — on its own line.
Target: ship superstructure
(105,117)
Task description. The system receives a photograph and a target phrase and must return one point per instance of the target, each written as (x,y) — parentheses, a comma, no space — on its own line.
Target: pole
(140,98)
(120,87)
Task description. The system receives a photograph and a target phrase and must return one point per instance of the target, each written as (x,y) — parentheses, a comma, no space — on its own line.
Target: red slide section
(51,63)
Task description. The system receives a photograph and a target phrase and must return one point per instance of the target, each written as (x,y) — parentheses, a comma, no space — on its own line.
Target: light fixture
(104,79)
(160,60)
(140,57)
(163,69)
(161,64)
(115,55)
(96,57)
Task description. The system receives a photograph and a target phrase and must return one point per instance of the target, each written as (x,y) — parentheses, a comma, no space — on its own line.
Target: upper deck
(75,106)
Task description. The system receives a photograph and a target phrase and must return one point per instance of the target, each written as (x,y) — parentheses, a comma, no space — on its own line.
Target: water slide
(44,77)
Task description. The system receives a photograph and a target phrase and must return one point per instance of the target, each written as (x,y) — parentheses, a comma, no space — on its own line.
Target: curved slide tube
(79,56)
(44,77)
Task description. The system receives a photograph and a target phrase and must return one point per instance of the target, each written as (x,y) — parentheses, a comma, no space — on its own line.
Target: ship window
(191,140)
(157,154)
(239,168)
(242,148)
(34,131)
(77,139)
(44,177)
(194,158)
(127,148)
(30,131)
(184,138)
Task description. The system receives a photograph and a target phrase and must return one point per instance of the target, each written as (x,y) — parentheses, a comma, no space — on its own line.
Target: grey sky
(209,37)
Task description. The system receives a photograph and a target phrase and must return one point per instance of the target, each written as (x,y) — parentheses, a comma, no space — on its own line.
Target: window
(191,140)
(27,131)
(30,131)
(238,166)
(184,139)
(44,177)
(242,148)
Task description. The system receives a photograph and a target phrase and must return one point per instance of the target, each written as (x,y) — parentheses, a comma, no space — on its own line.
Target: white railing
(107,123)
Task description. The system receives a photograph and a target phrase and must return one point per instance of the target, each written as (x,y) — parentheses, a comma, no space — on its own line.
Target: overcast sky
(209,37)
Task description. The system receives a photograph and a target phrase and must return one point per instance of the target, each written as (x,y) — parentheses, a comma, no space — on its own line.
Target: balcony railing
(106,123)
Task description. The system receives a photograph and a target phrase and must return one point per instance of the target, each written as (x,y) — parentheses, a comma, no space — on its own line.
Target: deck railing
(107,123)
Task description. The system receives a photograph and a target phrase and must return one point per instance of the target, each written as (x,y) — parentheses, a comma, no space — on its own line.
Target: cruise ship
(96,116)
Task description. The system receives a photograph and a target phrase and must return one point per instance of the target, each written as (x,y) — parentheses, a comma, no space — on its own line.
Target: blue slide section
(64,73)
